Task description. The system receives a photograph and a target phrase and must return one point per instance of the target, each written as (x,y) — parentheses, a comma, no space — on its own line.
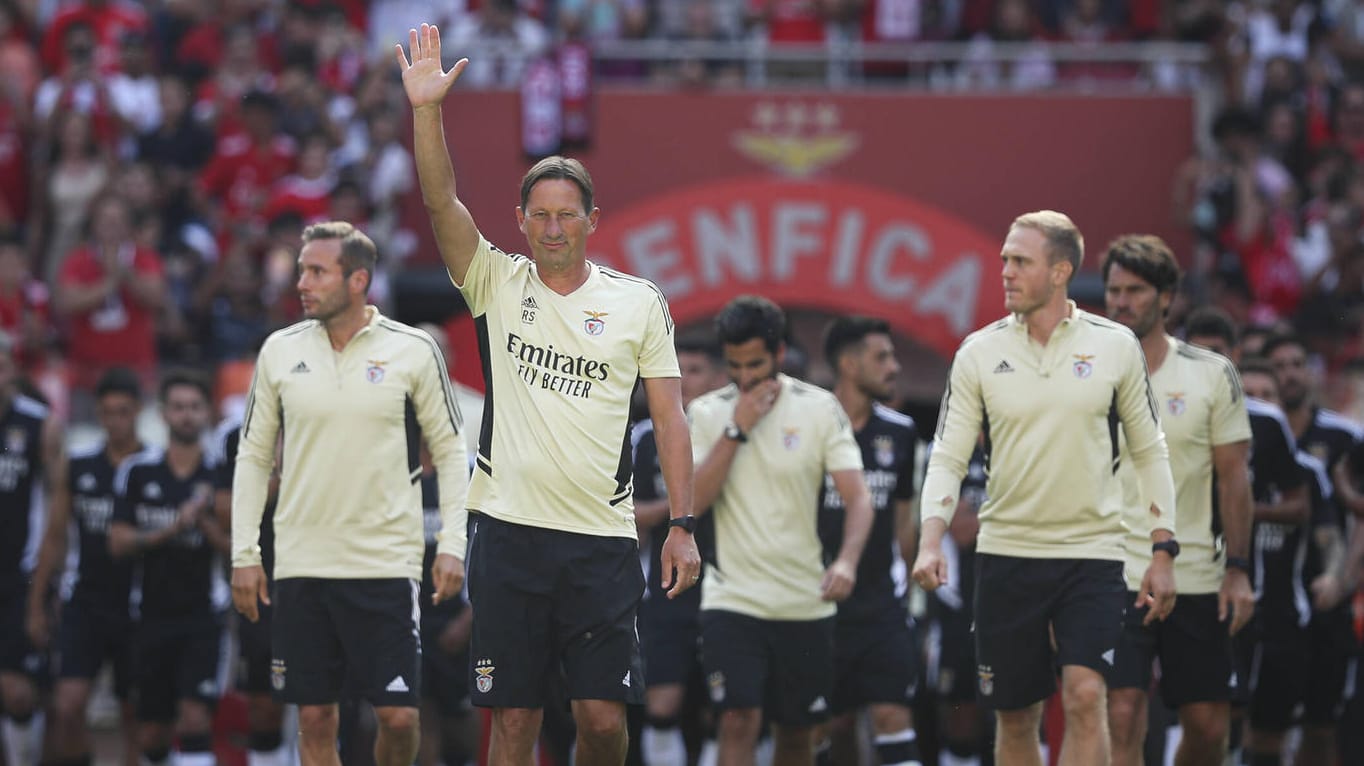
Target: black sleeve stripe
(250,401)
(662,300)
(1146,382)
(946,403)
(451,405)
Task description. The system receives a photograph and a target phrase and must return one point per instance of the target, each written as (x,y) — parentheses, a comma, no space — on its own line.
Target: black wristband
(1239,562)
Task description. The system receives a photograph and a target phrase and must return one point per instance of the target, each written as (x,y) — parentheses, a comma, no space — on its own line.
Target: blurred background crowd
(158,159)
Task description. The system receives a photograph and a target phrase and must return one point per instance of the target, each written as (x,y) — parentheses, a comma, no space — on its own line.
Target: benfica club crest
(1175,404)
(374,373)
(594,325)
(790,438)
(884,447)
(987,681)
(1083,368)
(484,682)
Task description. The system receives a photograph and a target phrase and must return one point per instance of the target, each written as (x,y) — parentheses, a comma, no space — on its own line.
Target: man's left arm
(902,500)
(1236,596)
(1342,477)
(1230,434)
(1150,456)
(841,575)
(843,463)
(433,398)
(1151,460)
(680,560)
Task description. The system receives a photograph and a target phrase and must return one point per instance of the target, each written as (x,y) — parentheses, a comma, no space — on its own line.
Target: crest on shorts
(484,672)
(884,447)
(1175,404)
(15,439)
(277,674)
(790,438)
(987,680)
(717,687)
(374,373)
(1083,368)
(594,325)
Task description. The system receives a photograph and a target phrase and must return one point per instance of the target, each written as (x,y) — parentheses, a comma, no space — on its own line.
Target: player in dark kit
(1329,437)
(670,629)
(874,664)
(31,440)
(95,626)
(264,714)
(445,707)
(163,513)
(1273,651)
(949,652)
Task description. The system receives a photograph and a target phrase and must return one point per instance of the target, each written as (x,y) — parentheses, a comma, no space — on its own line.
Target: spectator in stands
(20,68)
(107,20)
(24,306)
(234,187)
(389,20)
(14,157)
(1033,70)
(306,192)
(79,86)
(709,21)
(77,172)
(505,38)
(1276,29)
(133,91)
(110,291)
(240,73)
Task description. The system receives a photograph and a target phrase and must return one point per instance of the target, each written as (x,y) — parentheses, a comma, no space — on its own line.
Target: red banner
(882,203)
(835,246)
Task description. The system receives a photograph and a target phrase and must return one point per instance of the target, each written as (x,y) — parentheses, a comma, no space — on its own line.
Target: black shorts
(873,663)
(88,638)
(173,661)
(671,640)
(445,676)
(1019,601)
(1332,658)
(785,667)
(1278,678)
(253,650)
(17,653)
(949,656)
(1193,648)
(547,601)
(354,638)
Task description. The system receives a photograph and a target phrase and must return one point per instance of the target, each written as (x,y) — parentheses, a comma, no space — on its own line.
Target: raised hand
(424,79)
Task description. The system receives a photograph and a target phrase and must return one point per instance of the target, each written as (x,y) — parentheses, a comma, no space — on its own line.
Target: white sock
(663,747)
(763,753)
(710,753)
(23,741)
(1173,735)
(194,759)
(897,738)
(281,756)
(946,758)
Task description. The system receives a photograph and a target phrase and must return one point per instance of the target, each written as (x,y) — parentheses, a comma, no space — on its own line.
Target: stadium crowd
(159,161)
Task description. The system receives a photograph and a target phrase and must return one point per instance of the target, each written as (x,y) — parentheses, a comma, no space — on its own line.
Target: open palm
(424,80)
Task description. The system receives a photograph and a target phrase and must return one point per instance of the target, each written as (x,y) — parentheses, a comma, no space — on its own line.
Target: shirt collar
(1073,313)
